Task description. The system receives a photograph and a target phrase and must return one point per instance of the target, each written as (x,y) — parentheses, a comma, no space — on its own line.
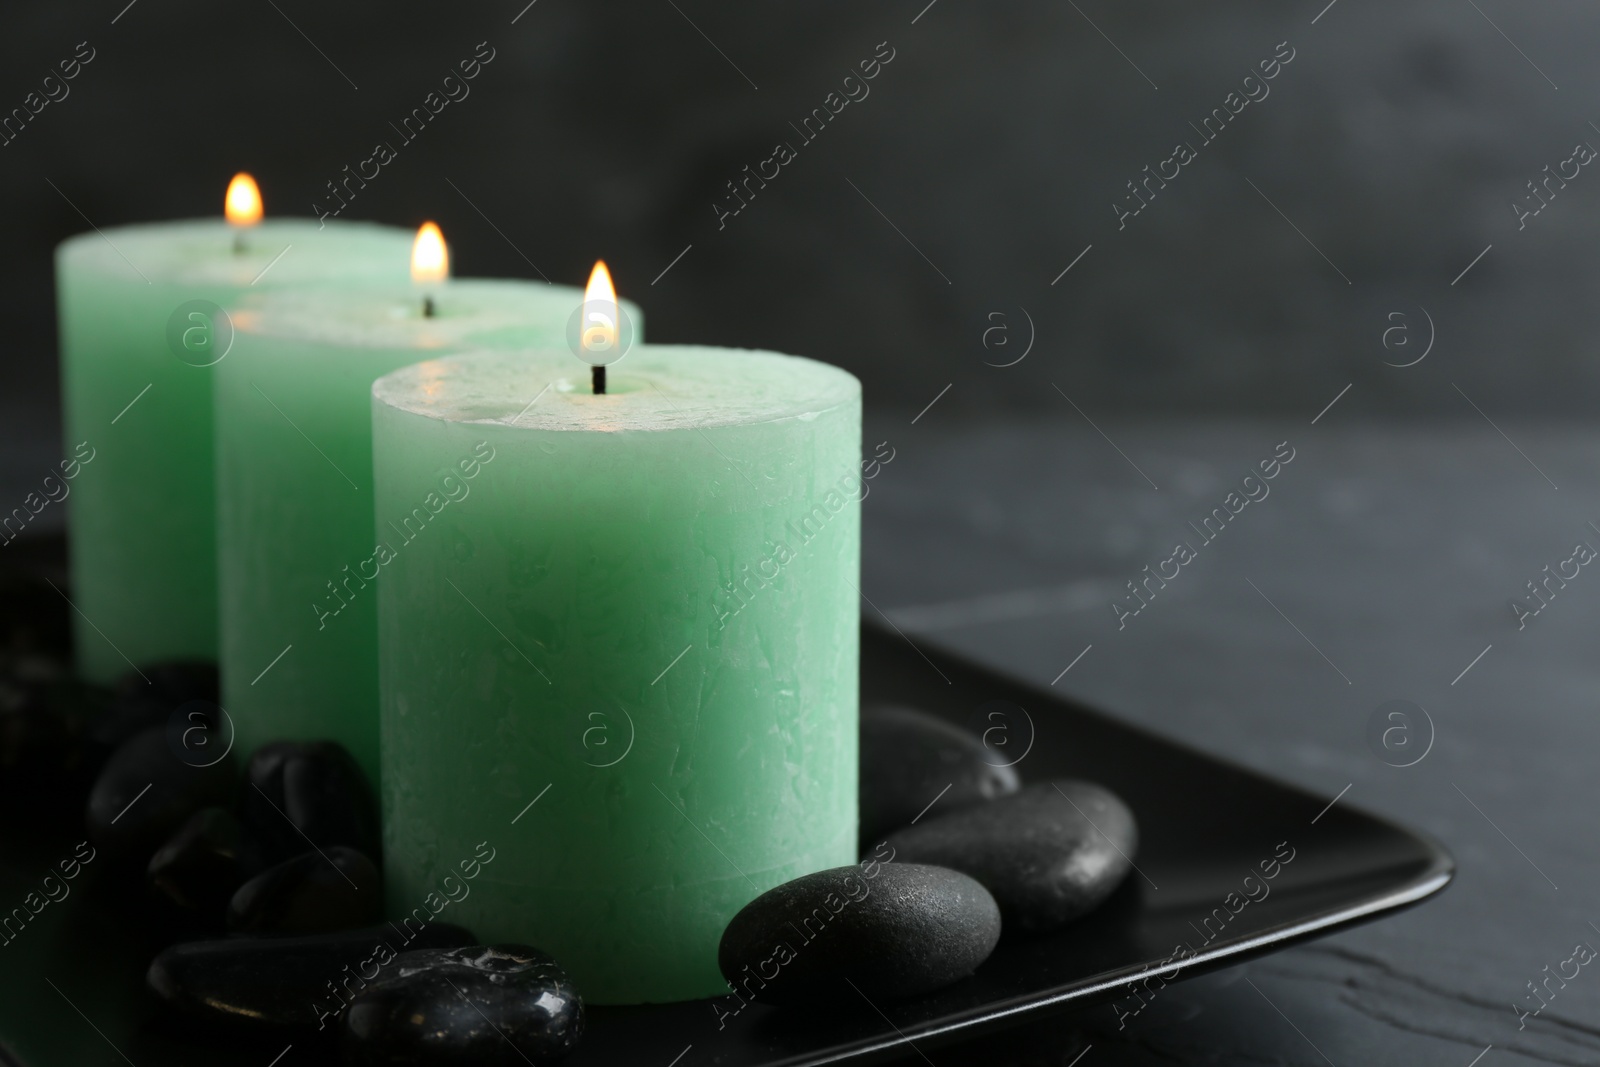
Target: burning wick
(242,206)
(599,321)
(430,262)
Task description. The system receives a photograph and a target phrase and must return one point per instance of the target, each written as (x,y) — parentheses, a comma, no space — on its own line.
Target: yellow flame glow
(430,259)
(600,310)
(242,205)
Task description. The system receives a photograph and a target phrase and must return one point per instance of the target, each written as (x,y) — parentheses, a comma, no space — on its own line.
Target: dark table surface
(1379,567)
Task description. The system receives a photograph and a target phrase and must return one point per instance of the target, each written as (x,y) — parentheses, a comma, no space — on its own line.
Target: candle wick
(239,246)
(598,379)
(427,307)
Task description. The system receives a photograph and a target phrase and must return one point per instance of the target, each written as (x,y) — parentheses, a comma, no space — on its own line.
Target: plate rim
(1436,874)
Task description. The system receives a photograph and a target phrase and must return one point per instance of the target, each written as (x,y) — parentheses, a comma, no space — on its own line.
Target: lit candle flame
(599,311)
(243,202)
(430,259)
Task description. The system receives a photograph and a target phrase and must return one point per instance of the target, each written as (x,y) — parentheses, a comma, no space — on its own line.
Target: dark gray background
(996,142)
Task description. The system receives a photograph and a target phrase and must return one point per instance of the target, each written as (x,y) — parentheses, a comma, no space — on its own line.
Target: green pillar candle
(143,543)
(626,656)
(295,530)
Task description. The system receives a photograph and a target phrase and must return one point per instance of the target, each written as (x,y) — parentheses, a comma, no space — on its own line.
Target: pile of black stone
(928,903)
(264,886)
(260,889)
(291,871)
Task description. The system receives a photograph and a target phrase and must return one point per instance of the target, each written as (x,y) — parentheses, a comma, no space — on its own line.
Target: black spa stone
(908,929)
(497,1005)
(908,757)
(145,792)
(1049,854)
(291,983)
(299,791)
(198,869)
(333,889)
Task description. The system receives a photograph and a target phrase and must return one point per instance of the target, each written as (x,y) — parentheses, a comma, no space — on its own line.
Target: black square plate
(1206,828)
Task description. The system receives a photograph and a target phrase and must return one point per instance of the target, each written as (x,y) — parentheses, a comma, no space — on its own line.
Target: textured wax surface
(560,627)
(480,309)
(667,387)
(201,252)
(294,507)
(143,540)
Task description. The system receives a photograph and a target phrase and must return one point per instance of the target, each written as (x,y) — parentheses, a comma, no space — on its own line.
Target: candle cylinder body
(137,399)
(295,528)
(626,658)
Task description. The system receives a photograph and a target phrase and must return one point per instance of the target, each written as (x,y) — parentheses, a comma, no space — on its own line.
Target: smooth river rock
(314,892)
(908,757)
(199,868)
(145,793)
(1049,854)
(286,982)
(893,929)
(299,791)
(501,1004)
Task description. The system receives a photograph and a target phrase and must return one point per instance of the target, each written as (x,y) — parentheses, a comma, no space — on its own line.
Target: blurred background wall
(986,156)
